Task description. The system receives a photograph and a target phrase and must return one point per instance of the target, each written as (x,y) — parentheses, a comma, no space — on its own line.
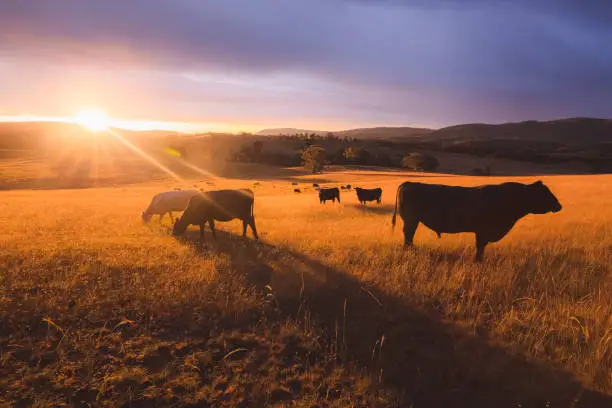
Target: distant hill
(384,132)
(565,131)
(34,135)
(287,131)
(360,133)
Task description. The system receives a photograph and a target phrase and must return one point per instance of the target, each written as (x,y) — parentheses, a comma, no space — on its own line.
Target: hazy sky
(328,64)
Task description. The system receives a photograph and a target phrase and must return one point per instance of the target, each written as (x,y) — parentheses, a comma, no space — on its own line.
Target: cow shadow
(373,208)
(404,346)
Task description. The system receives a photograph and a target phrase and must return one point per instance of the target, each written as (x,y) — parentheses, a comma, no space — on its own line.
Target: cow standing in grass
(220,205)
(489,211)
(326,194)
(364,195)
(167,202)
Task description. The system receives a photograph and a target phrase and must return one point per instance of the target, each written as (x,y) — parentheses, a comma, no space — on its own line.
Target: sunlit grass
(542,294)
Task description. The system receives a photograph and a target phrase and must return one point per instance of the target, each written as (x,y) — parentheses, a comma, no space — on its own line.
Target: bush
(314,158)
(420,162)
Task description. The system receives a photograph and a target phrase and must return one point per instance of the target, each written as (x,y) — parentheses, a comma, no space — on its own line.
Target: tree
(351,154)
(420,162)
(314,158)
(383,159)
(257,148)
(358,155)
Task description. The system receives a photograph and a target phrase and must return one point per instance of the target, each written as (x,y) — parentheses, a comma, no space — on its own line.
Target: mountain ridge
(566,130)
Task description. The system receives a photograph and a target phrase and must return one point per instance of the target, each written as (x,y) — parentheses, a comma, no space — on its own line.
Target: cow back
(329,193)
(453,209)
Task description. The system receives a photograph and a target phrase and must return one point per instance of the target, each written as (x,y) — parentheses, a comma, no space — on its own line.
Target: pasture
(327,309)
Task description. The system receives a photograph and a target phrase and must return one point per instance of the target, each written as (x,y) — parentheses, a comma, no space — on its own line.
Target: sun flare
(92,119)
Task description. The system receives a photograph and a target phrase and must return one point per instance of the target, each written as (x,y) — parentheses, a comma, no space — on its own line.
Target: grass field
(327,309)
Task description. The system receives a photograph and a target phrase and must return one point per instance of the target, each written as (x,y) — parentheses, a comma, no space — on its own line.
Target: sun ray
(144,155)
(199,170)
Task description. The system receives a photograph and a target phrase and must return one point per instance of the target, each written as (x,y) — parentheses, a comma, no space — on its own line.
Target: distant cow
(165,203)
(219,205)
(489,211)
(329,194)
(297,190)
(348,186)
(315,185)
(364,195)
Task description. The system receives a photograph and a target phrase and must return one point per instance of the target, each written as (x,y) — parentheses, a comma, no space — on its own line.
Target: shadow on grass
(430,363)
(374,208)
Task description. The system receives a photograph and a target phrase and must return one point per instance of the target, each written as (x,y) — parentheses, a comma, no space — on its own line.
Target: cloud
(441,60)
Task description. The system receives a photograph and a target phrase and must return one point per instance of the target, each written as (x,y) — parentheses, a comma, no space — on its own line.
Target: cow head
(146,217)
(193,214)
(179,227)
(541,199)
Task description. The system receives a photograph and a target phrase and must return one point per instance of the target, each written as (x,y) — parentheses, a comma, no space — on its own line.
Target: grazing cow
(489,211)
(364,195)
(219,205)
(297,190)
(165,203)
(329,194)
(348,186)
(315,185)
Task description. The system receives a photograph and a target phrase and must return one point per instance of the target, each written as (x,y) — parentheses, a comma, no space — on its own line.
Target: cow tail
(395,211)
(253,209)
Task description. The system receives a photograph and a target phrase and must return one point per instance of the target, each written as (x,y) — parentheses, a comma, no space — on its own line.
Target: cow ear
(538,183)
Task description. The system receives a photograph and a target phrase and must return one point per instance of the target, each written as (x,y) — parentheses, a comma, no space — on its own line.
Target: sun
(92,119)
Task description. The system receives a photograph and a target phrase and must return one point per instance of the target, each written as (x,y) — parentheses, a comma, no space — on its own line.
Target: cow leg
(480,247)
(410,227)
(244,227)
(171,217)
(338,199)
(252,224)
(211,222)
(202,226)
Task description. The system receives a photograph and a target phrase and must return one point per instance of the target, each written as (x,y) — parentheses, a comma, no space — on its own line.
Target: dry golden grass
(327,309)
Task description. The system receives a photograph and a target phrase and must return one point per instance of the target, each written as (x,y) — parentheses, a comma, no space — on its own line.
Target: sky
(243,65)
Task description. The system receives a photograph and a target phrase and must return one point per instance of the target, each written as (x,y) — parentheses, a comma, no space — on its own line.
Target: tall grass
(330,281)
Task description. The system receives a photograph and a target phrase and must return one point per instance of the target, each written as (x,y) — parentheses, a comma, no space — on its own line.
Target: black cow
(219,205)
(489,211)
(329,194)
(364,195)
(315,185)
(297,190)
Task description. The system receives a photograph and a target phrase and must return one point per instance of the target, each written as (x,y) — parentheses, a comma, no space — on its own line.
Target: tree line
(315,157)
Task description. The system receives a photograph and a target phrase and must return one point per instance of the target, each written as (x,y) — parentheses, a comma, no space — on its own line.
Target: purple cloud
(391,61)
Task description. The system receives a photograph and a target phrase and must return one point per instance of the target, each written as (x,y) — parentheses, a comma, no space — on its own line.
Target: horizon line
(144,125)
